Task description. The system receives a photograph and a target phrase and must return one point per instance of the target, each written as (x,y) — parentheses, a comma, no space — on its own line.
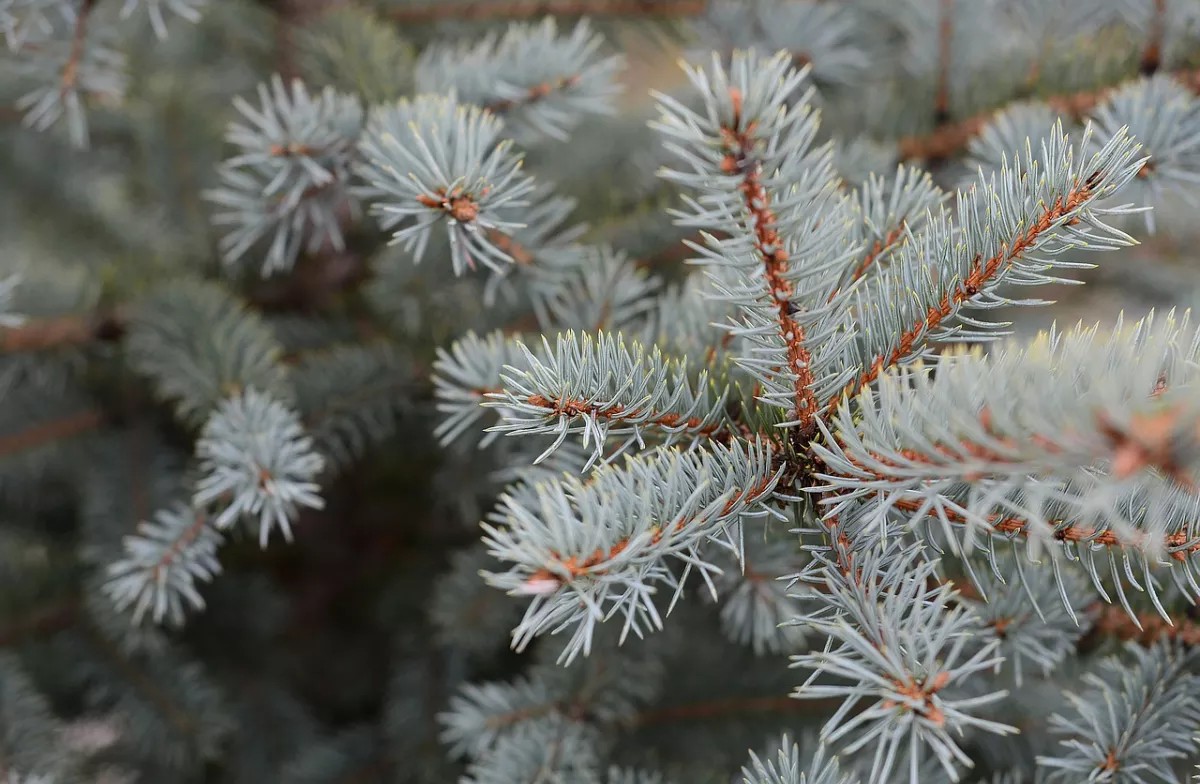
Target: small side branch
(534,94)
(878,250)
(982,272)
(519,253)
(548,580)
(757,200)
(615,412)
(140,682)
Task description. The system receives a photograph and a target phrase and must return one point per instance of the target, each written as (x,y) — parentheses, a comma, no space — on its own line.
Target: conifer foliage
(389,395)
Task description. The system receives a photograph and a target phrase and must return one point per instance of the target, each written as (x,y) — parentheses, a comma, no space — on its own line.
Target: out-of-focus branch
(64,332)
(40,621)
(1152,54)
(735,706)
(1147,629)
(525,9)
(949,139)
(941,105)
(70,73)
(48,432)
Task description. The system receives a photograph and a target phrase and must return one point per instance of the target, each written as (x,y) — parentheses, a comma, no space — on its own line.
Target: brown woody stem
(1152,54)
(63,332)
(43,620)
(941,100)
(1147,629)
(1070,533)
(737,146)
(875,252)
(576,566)
(534,94)
(47,432)
(949,139)
(70,72)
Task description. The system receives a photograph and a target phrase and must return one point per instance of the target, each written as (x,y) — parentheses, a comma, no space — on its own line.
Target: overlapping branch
(980,273)
(912,641)
(886,214)
(1045,444)
(541,82)
(1009,230)
(589,551)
